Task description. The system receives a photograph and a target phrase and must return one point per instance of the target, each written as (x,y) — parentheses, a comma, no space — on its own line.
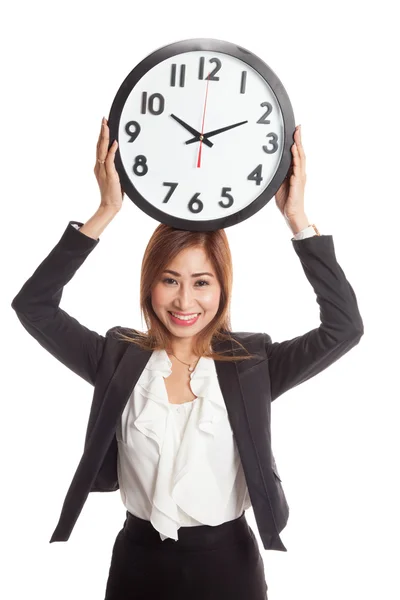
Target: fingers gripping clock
(239,133)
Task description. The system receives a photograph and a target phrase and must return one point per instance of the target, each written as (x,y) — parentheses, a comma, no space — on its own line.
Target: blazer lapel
(243,387)
(231,377)
(124,380)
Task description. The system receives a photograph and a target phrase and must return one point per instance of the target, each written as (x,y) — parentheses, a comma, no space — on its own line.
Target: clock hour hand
(215,132)
(192,131)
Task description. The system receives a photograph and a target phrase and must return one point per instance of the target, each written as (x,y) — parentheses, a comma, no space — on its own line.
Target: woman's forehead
(189,258)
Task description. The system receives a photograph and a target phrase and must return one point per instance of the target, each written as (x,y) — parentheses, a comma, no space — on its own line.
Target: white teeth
(186,318)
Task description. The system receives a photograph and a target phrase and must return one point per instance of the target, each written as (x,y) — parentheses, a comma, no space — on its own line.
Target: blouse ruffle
(185,473)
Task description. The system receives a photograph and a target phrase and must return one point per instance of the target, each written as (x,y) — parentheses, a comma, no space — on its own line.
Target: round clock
(204,130)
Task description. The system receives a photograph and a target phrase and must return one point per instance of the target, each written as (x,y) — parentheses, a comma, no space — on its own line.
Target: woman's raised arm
(37,303)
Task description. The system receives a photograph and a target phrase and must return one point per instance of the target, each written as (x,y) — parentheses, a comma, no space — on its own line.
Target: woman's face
(188,286)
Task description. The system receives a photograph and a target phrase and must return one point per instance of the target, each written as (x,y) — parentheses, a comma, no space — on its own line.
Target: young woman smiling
(180,417)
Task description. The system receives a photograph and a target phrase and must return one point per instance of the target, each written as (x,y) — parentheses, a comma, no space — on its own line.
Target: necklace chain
(187,364)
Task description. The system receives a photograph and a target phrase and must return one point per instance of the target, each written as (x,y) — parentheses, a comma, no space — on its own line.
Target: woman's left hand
(290,196)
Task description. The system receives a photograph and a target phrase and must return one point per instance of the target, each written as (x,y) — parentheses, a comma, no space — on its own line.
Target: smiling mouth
(171,312)
(184,321)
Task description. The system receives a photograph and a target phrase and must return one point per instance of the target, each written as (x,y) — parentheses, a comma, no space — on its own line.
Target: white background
(335,437)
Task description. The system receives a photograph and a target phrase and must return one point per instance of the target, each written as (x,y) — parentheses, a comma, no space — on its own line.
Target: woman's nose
(185,294)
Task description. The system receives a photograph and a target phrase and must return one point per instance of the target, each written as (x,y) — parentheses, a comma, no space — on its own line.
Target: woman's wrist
(297,223)
(95,226)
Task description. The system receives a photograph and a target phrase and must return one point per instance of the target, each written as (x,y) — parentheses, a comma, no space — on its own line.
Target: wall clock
(204,130)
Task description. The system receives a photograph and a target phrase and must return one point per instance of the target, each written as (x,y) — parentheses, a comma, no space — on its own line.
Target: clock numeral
(171,191)
(263,120)
(195,205)
(201,68)
(243,82)
(150,104)
(140,163)
(225,194)
(256,175)
(211,76)
(182,76)
(274,143)
(134,133)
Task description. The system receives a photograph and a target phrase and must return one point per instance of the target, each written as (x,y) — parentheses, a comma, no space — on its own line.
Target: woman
(180,418)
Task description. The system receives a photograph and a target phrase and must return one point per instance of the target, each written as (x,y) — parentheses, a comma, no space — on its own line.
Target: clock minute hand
(215,132)
(193,131)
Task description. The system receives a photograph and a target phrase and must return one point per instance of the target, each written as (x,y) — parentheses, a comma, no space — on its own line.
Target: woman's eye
(168,279)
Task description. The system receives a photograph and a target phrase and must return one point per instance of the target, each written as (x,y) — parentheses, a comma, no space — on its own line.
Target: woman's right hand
(106,174)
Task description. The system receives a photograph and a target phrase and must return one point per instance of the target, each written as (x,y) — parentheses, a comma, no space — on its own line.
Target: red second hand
(202,126)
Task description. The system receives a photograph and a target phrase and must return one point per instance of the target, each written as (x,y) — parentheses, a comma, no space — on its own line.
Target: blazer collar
(131,366)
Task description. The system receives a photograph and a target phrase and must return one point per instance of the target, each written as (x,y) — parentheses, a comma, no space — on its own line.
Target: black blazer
(249,386)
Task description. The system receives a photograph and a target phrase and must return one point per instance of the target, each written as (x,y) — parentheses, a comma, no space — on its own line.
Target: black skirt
(205,563)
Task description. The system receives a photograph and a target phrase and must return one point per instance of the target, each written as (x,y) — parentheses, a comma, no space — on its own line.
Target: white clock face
(171,166)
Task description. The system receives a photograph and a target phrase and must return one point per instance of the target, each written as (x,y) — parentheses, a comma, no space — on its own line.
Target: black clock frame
(205,44)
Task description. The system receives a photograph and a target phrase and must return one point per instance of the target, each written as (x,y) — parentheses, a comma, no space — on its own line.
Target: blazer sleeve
(37,306)
(294,361)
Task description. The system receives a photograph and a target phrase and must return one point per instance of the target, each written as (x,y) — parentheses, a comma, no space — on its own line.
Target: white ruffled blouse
(178,464)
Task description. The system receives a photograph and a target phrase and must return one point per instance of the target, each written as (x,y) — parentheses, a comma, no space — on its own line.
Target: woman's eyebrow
(193,274)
